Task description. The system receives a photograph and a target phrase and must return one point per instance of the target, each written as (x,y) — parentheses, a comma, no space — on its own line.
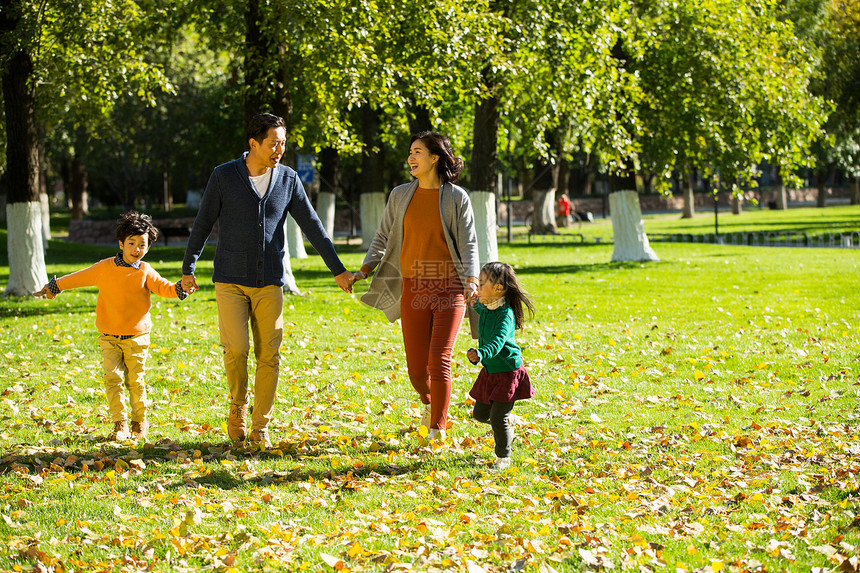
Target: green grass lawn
(701,413)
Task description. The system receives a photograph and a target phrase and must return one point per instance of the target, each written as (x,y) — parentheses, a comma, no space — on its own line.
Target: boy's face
(134,247)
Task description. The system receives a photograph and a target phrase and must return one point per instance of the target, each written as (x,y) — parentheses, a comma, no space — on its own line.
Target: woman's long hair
(515,295)
(449,166)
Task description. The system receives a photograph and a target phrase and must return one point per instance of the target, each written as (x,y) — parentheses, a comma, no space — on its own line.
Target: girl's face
(487,290)
(421,161)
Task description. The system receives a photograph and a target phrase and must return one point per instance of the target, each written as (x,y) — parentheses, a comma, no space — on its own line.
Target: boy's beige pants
(262,307)
(124,363)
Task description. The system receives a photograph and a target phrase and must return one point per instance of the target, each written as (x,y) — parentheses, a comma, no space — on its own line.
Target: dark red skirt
(502,386)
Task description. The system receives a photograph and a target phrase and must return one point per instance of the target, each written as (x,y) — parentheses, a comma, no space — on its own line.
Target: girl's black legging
(496,414)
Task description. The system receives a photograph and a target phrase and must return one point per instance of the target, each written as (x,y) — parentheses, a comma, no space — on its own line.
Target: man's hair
(260,125)
(133,223)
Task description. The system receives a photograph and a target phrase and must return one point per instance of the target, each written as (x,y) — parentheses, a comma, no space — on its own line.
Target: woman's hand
(470,290)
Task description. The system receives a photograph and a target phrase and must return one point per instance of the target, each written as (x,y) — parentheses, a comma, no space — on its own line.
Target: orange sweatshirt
(123,303)
(424,253)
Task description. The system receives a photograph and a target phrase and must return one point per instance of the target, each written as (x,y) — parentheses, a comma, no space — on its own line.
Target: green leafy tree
(56,55)
(725,87)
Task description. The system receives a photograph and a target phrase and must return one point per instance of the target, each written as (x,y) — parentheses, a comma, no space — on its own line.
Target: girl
(503,379)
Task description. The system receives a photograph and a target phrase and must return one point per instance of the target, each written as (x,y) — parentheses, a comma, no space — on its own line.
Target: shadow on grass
(104,456)
(46,310)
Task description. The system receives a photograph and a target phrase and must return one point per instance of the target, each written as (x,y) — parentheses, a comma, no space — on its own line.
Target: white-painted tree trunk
(27,272)
(295,240)
(631,242)
(45,207)
(289,279)
(325,211)
(371,206)
(544,212)
(484,208)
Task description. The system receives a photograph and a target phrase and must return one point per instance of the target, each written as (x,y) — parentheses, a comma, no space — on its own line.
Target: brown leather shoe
(120,431)
(139,429)
(260,438)
(236,423)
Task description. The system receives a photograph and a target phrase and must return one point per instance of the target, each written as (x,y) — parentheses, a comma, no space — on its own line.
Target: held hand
(358,276)
(470,293)
(472,355)
(189,284)
(45,292)
(344,280)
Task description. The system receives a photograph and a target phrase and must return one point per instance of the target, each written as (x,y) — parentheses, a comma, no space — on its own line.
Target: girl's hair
(448,167)
(515,295)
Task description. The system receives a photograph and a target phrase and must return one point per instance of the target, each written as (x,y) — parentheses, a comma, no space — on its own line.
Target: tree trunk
(371,206)
(289,279)
(736,204)
(419,118)
(485,134)
(372,176)
(326,210)
(166,188)
(27,272)
(23,210)
(821,178)
(543,222)
(689,195)
(855,190)
(295,239)
(631,242)
(781,196)
(328,188)
(484,208)
(76,189)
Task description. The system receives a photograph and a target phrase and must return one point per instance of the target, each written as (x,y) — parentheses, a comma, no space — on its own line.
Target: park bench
(168,232)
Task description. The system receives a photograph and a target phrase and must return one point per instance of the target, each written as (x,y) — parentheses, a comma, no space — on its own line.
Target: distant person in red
(563,215)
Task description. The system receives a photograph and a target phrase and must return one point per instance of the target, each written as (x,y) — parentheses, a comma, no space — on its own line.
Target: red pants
(431,312)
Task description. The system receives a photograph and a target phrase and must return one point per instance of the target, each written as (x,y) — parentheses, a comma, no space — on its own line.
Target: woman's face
(421,161)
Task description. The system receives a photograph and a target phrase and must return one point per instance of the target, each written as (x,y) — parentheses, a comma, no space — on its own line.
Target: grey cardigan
(458,222)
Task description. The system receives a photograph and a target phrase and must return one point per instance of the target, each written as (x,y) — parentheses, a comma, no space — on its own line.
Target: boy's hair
(515,295)
(260,124)
(133,223)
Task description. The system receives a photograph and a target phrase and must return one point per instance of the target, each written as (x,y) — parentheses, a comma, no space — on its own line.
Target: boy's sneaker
(260,438)
(139,429)
(236,423)
(120,431)
(500,465)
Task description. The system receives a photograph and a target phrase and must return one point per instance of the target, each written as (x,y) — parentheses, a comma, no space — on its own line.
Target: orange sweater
(424,253)
(123,302)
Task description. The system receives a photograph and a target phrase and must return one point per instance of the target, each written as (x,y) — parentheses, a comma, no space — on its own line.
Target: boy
(125,283)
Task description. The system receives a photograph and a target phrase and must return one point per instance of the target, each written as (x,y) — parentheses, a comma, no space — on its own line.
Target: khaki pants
(263,308)
(124,363)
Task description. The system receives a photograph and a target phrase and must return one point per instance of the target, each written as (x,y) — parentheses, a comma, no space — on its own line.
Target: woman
(425,253)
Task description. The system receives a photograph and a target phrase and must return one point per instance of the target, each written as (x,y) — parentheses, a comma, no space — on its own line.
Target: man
(250,198)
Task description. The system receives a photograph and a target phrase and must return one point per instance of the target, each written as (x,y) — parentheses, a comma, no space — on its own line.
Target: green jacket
(497,349)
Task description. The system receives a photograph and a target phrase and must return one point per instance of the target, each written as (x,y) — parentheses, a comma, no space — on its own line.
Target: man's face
(268,153)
